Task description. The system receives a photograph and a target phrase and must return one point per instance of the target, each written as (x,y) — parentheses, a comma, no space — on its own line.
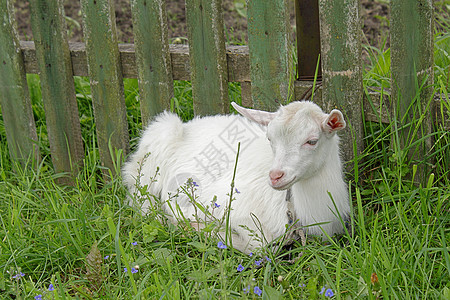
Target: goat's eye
(312,142)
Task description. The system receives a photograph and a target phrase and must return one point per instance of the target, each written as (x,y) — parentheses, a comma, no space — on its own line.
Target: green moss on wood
(340,32)
(57,84)
(207,56)
(14,96)
(106,78)
(270,53)
(153,56)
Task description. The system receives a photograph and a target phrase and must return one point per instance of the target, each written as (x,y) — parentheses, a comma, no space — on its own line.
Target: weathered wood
(306,90)
(152,56)
(238,69)
(341,35)
(237,60)
(207,56)
(14,97)
(411,66)
(270,56)
(106,78)
(57,85)
(376,109)
(246,93)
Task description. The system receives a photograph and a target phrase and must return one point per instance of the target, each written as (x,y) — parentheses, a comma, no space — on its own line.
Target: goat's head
(302,137)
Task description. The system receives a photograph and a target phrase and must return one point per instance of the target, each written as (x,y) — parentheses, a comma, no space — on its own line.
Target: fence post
(341,34)
(271,71)
(57,84)
(14,96)
(152,56)
(411,66)
(207,56)
(106,78)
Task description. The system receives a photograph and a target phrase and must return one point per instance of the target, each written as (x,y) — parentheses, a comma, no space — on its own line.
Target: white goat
(295,149)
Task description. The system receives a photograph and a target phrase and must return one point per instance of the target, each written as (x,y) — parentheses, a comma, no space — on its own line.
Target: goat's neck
(328,179)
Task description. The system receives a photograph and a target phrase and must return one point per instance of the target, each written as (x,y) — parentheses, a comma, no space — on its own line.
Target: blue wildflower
(268,259)
(221,245)
(51,287)
(237,191)
(38,297)
(134,243)
(322,291)
(240,268)
(257,291)
(251,254)
(194,183)
(247,289)
(125,269)
(216,205)
(106,257)
(258,262)
(329,293)
(302,285)
(134,271)
(18,275)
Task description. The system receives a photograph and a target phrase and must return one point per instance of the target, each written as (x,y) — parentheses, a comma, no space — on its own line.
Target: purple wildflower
(216,205)
(247,289)
(125,269)
(268,259)
(257,291)
(106,257)
(221,245)
(302,285)
(134,243)
(258,262)
(237,191)
(18,275)
(322,291)
(251,254)
(38,297)
(194,183)
(51,287)
(134,271)
(329,293)
(240,268)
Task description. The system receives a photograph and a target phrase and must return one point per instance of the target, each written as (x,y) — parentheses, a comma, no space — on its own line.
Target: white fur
(205,150)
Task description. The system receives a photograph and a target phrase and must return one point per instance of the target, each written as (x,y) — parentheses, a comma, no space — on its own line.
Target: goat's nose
(275,176)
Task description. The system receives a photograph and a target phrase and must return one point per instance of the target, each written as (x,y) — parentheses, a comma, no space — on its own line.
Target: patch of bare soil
(375,15)
(235,23)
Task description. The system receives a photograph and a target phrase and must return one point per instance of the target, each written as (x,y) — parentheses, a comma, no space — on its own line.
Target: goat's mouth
(283,185)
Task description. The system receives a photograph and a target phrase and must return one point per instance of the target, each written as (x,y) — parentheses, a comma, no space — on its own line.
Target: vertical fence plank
(152,56)
(14,97)
(207,56)
(58,90)
(270,53)
(340,32)
(411,60)
(246,93)
(105,78)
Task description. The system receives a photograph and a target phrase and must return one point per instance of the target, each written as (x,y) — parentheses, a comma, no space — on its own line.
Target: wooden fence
(264,67)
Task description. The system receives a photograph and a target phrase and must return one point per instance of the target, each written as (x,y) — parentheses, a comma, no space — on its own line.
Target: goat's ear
(258,116)
(334,122)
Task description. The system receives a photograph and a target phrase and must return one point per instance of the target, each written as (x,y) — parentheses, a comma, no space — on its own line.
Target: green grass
(49,232)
